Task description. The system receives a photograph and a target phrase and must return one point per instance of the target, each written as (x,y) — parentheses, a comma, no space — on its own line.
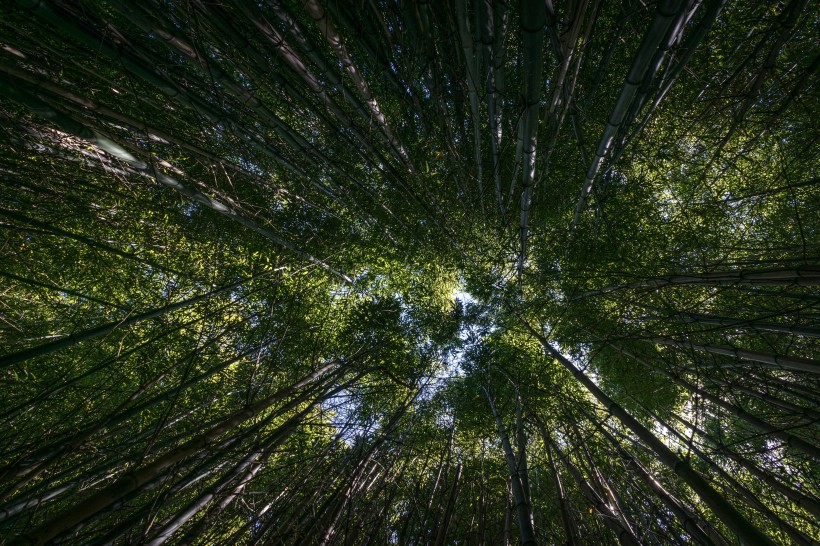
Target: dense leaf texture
(396,272)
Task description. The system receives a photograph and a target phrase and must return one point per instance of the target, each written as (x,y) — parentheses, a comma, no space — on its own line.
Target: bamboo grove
(409,272)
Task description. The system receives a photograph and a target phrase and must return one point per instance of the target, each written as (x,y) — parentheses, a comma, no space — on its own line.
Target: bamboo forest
(409,272)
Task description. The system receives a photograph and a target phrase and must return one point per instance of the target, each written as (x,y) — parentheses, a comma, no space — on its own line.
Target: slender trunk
(482,501)
(754,324)
(805,393)
(54,390)
(667,13)
(63,290)
(507,537)
(801,276)
(199,472)
(522,504)
(360,481)
(68,124)
(88,241)
(699,529)
(493,37)
(521,441)
(91,333)
(471,63)
(792,363)
(100,472)
(615,503)
(533,21)
(10,511)
(805,502)
(609,516)
(743,492)
(328,29)
(564,504)
(40,460)
(777,432)
(727,513)
(683,54)
(243,471)
(431,499)
(133,480)
(408,517)
(441,536)
(808,416)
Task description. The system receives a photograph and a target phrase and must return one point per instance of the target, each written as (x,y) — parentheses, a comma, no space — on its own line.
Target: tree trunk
(727,513)
(135,479)
(522,504)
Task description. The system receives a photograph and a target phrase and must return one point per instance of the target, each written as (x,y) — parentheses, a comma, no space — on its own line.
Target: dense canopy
(409,272)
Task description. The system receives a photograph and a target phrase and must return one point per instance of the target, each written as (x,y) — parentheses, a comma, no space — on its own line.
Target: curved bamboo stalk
(727,513)
(148,169)
(522,503)
(792,363)
(608,514)
(241,473)
(91,333)
(668,12)
(133,480)
(471,63)
(800,276)
(696,526)
(533,21)
(763,426)
(328,29)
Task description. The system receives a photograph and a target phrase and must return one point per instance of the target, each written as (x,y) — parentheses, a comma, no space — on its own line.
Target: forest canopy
(404,272)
